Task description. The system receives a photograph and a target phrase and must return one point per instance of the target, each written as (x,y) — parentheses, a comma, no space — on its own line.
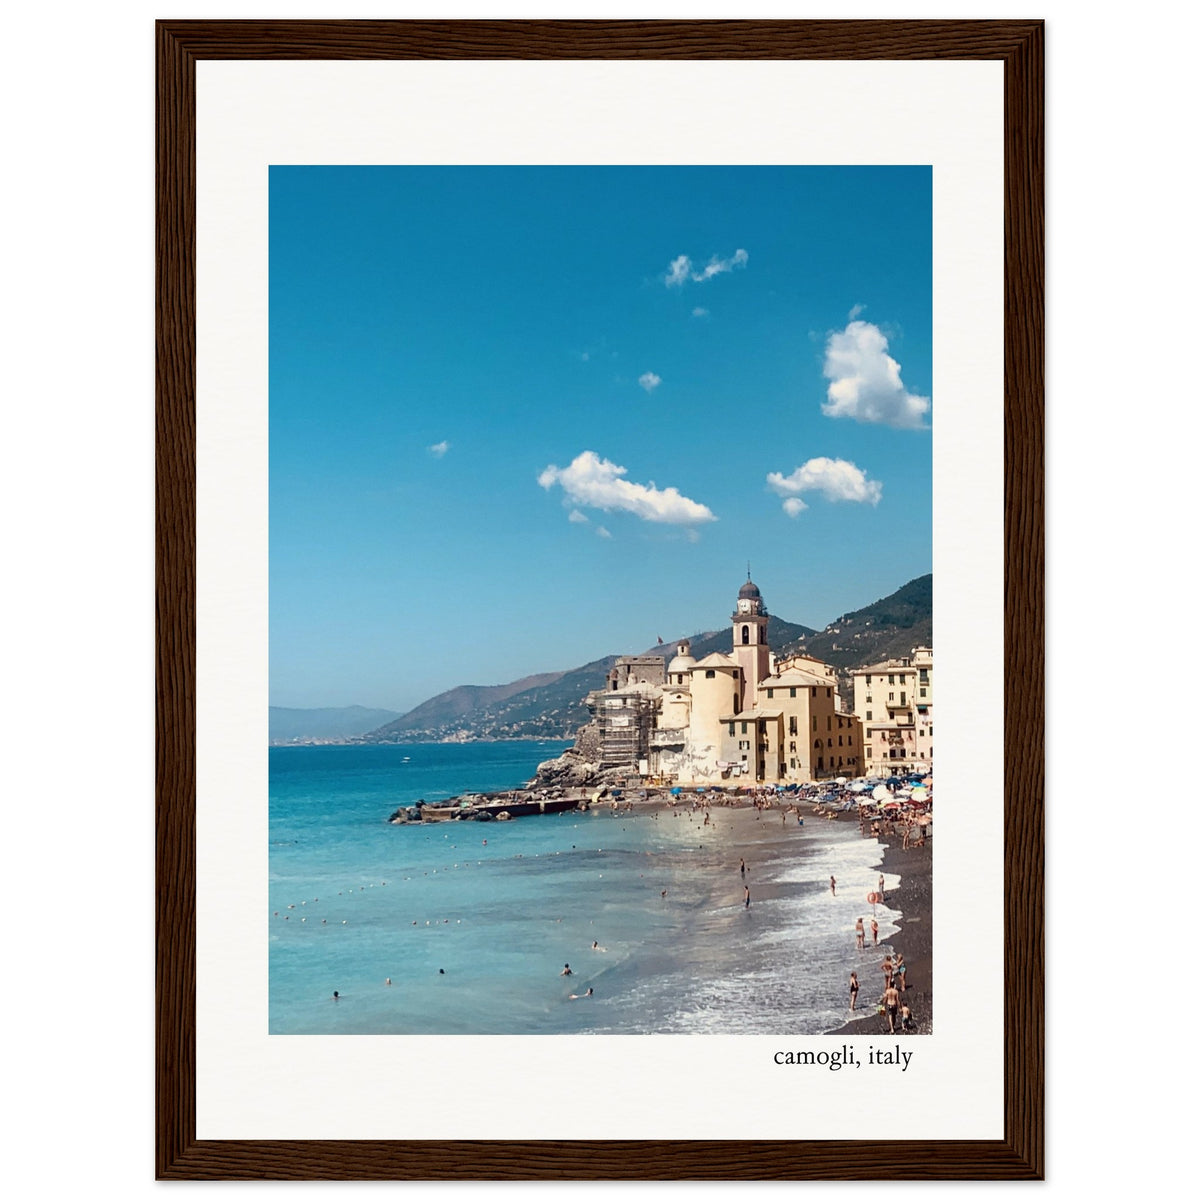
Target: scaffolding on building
(625,723)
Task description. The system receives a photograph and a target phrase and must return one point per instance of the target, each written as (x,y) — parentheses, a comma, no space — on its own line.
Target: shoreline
(914,939)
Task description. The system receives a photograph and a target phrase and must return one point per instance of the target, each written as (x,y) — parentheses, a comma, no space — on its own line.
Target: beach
(460,926)
(914,939)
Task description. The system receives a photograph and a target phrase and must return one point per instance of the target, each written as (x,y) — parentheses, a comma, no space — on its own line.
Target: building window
(924,675)
(868,681)
(791,724)
(770,693)
(868,751)
(868,714)
(828,693)
(922,691)
(793,763)
(745,635)
(891,695)
(743,726)
(731,729)
(814,723)
(710,674)
(922,733)
(868,735)
(814,691)
(828,723)
(891,679)
(792,693)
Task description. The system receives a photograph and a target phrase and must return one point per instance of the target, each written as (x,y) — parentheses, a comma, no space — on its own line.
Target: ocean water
(473,922)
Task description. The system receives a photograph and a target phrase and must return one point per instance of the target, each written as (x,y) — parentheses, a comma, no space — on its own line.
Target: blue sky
(521,418)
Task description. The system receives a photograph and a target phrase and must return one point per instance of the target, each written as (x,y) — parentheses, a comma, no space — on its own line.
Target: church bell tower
(750,647)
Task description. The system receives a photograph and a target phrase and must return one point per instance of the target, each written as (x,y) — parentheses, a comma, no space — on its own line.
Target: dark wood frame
(1020,1154)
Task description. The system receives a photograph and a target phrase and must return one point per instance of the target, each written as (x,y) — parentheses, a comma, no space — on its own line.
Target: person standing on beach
(891,1006)
(901,972)
(874,932)
(853,989)
(743,868)
(832,886)
(886,968)
(860,936)
(881,887)
(747,891)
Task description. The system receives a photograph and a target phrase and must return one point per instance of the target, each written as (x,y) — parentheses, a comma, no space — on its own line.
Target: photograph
(601,601)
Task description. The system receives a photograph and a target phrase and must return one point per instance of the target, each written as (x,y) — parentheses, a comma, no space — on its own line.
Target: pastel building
(744,716)
(894,700)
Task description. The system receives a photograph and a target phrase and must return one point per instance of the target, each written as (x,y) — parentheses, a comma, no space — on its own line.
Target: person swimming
(581,996)
(566,969)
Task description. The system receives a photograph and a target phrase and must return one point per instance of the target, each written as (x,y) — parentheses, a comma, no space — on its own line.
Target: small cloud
(692,535)
(699,312)
(602,532)
(594,482)
(682,269)
(865,380)
(678,271)
(855,311)
(649,381)
(577,518)
(833,478)
(585,356)
(439,450)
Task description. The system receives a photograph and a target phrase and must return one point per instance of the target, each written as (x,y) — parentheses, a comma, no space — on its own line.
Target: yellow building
(742,717)
(894,700)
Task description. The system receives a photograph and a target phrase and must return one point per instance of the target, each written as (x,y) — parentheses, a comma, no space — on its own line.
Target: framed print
(493,358)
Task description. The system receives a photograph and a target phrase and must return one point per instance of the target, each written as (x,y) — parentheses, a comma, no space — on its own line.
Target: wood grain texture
(1021,1152)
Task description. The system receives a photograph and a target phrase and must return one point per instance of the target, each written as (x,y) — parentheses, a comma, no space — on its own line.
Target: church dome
(749,591)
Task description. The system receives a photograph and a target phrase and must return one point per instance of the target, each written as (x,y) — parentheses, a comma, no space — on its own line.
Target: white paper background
(250,115)
(77,486)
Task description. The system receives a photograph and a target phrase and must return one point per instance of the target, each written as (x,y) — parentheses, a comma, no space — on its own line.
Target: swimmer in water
(335,996)
(584,995)
(566,969)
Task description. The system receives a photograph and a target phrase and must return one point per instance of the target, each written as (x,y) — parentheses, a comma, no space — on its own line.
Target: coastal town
(749,729)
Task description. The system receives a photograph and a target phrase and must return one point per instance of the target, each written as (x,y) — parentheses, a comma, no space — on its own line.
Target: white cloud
(856,311)
(834,478)
(678,271)
(682,269)
(699,312)
(594,482)
(577,518)
(865,380)
(602,532)
(649,381)
(439,450)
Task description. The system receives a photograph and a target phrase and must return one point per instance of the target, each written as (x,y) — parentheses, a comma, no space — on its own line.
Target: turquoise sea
(474,922)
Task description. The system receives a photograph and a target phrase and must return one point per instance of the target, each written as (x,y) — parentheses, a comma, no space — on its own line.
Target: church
(746,717)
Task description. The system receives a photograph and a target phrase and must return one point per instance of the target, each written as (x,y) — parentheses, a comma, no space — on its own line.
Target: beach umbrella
(867,802)
(841,779)
(881,792)
(676,791)
(920,795)
(859,787)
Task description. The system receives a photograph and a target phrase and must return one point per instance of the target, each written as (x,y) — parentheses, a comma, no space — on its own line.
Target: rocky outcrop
(577,766)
